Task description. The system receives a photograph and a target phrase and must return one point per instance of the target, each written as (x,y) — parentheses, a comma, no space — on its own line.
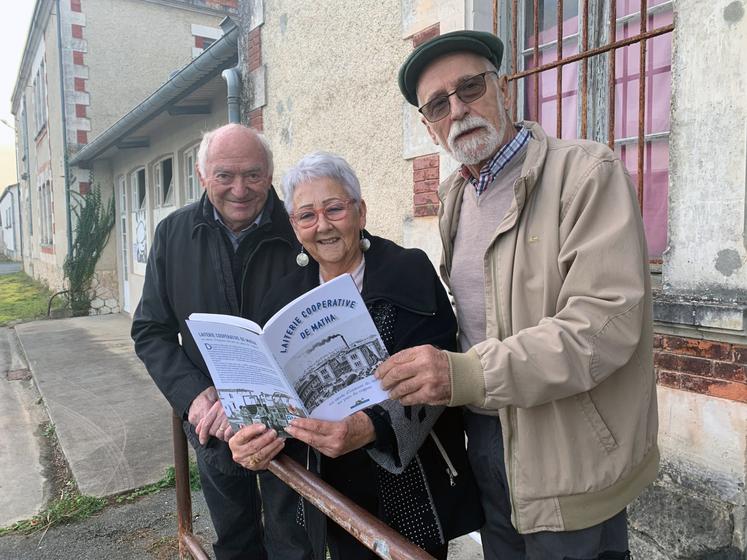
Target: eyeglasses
(468,91)
(333,210)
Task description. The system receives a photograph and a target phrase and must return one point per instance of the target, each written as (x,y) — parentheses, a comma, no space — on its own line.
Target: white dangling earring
(302,259)
(365,243)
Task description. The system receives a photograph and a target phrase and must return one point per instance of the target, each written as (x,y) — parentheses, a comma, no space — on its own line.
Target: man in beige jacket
(545,255)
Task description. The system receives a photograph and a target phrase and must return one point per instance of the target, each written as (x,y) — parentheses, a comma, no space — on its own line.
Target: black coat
(405,282)
(189,271)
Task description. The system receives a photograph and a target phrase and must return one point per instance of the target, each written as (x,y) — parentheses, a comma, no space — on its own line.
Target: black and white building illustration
(274,410)
(334,364)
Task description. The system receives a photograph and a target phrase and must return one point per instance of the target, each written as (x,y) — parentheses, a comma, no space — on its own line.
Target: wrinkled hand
(254,446)
(206,414)
(418,375)
(334,439)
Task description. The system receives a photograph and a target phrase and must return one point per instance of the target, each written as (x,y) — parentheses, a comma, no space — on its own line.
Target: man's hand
(254,446)
(206,414)
(334,439)
(418,375)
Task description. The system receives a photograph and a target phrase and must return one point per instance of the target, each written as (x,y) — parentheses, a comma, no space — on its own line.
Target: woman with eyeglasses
(406,465)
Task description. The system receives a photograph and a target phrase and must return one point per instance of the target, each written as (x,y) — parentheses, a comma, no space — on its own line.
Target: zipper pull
(450,470)
(451,477)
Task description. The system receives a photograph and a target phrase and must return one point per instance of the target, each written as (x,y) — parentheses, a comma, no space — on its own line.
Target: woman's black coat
(401,284)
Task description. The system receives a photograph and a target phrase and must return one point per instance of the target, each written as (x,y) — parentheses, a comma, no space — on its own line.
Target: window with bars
(579,76)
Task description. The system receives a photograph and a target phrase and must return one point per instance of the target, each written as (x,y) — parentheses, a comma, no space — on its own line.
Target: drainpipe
(233,83)
(66,169)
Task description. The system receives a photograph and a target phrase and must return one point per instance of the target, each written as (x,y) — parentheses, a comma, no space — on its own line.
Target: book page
(251,387)
(327,345)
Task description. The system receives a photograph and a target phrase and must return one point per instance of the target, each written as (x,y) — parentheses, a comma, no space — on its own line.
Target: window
(139,199)
(122,187)
(204,36)
(137,183)
(190,176)
(606,119)
(46,212)
(40,99)
(164,181)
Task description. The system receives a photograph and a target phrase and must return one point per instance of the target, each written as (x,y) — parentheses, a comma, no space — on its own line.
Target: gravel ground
(141,530)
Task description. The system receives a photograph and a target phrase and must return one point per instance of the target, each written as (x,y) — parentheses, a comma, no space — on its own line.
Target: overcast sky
(14,26)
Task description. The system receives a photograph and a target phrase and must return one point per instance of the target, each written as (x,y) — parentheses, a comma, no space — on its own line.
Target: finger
(403,389)
(248,433)
(243,451)
(210,417)
(309,437)
(313,425)
(269,454)
(402,357)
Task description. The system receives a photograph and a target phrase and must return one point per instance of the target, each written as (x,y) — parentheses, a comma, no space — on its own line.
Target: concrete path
(113,424)
(10,267)
(22,481)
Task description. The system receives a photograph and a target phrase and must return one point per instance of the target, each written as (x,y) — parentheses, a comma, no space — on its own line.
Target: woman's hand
(334,438)
(254,446)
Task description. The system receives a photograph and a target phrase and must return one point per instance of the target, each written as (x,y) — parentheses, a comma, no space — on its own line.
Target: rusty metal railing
(369,530)
(582,58)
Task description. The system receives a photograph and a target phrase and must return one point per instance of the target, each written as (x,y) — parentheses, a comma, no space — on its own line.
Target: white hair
(319,165)
(207,137)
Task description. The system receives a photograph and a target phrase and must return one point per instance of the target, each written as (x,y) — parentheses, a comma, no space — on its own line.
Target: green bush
(94,222)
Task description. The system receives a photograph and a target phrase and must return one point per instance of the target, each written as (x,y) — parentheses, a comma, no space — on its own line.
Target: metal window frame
(516,76)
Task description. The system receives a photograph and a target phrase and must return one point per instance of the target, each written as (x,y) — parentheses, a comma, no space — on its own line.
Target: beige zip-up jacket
(568,357)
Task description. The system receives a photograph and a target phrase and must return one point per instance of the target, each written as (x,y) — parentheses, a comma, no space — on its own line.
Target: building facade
(10,223)
(335,89)
(86,63)
(149,156)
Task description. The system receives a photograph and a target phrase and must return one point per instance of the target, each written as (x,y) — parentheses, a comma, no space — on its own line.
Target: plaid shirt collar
(499,161)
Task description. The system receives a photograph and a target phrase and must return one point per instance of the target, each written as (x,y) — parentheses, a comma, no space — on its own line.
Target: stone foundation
(105,293)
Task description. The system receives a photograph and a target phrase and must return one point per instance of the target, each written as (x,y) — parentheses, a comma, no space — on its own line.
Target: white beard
(479,146)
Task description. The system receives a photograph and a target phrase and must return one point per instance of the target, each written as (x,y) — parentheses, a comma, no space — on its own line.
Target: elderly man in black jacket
(220,255)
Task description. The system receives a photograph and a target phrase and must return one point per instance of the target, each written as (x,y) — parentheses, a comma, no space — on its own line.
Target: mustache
(468,123)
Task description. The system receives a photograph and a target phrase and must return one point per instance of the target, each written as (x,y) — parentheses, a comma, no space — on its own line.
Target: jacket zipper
(450,470)
(502,329)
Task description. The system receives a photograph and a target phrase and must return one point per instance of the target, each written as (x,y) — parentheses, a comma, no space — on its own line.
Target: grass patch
(70,506)
(22,298)
(168,481)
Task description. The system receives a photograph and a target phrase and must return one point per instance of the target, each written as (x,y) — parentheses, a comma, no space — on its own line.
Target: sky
(14,26)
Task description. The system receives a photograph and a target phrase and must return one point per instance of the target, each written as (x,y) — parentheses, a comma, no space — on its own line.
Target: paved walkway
(10,268)
(113,424)
(22,480)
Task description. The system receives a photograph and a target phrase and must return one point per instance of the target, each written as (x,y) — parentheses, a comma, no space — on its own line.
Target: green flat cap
(479,42)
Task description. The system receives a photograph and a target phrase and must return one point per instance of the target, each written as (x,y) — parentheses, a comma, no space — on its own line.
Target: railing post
(189,546)
(369,530)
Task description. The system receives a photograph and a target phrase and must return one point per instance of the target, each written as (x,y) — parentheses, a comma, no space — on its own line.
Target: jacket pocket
(596,422)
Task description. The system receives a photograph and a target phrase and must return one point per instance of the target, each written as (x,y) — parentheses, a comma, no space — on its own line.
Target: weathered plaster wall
(123,66)
(696,509)
(708,150)
(331,85)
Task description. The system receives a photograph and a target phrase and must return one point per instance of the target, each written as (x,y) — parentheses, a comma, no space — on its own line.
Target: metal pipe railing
(384,541)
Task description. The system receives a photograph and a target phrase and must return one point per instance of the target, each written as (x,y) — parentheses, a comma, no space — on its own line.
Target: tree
(94,223)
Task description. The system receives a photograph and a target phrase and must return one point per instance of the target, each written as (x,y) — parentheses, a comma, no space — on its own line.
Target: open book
(315,357)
